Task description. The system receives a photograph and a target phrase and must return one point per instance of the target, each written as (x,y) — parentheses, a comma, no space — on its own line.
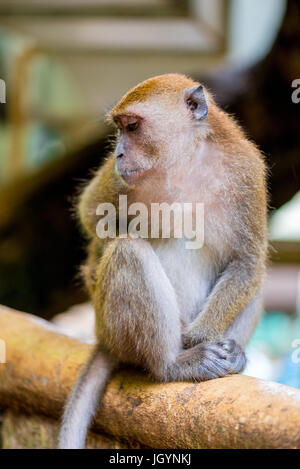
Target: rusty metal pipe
(232,412)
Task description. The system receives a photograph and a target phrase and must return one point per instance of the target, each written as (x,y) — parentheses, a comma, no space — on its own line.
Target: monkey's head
(159,122)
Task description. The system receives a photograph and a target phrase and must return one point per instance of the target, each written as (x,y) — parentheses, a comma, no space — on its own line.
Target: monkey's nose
(120,155)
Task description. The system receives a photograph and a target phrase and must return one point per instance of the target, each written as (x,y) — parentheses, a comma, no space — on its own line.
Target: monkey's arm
(234,289)
(89,268)
(104,187)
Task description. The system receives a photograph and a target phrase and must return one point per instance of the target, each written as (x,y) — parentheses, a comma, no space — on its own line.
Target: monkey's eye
(191,104)
(132,126)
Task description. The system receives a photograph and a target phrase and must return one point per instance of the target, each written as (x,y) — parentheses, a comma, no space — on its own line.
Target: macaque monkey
(180,314)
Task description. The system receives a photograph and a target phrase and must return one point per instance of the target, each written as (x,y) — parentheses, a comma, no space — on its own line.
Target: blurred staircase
(75,58)
(109,45)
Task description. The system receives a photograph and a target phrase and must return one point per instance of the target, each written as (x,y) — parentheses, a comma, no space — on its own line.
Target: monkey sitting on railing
(180,314)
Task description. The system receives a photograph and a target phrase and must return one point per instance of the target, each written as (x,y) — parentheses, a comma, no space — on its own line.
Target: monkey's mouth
(130,176)
(129,171)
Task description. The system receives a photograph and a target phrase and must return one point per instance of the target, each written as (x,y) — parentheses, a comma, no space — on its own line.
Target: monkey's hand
(211,360)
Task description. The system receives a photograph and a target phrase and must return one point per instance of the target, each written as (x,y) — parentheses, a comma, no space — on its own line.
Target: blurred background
(64,62)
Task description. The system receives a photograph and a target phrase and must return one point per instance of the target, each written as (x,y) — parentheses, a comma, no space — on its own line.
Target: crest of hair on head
(171,84)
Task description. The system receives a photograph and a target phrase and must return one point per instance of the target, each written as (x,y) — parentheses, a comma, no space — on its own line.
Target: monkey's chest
(190,273)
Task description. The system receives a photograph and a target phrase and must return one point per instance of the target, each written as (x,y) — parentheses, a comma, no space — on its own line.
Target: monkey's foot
(210,360)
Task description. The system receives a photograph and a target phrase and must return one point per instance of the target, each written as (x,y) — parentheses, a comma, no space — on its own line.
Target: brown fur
(180,315)
(169,85)
(248,198)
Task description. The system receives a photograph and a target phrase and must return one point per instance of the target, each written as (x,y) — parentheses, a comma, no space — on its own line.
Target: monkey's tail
(84,399)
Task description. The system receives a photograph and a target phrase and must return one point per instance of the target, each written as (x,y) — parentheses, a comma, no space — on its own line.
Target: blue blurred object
(273,348)
(290,373)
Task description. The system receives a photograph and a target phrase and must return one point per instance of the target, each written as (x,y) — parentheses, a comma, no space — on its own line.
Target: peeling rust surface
(232,412)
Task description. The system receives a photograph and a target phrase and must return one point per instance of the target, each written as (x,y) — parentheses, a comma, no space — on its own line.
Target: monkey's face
(135,151)
(159,131)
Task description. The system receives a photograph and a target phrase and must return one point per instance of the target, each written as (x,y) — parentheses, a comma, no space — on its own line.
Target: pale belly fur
(190,272)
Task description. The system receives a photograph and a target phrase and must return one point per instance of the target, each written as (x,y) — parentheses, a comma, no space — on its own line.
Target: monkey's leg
(137,315)
(138,318)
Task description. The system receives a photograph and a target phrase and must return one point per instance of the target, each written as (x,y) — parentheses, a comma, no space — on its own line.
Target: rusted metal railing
(233,412)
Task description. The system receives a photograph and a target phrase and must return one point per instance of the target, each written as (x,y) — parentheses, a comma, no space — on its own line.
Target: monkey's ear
(196,102)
